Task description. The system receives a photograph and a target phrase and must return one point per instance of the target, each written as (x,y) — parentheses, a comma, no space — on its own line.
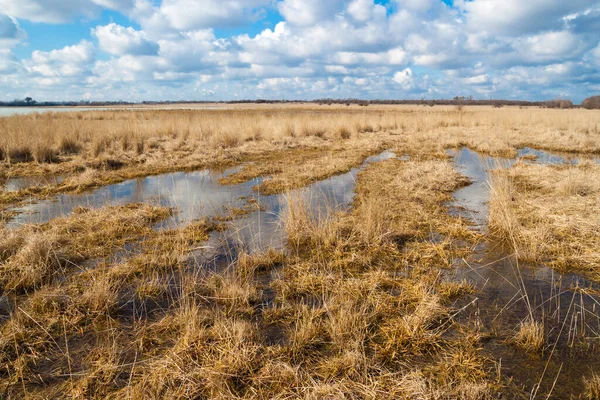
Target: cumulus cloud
(517,17)
(8,62)
(10,31)
(199,14)
(311,48)
(118,40)
(404,78)
(309,12)
(48,11)
(70,61)
(549,46)
(121,5)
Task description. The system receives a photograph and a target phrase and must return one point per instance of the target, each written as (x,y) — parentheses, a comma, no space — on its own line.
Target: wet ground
(197,195)
(510,292)
(25,182)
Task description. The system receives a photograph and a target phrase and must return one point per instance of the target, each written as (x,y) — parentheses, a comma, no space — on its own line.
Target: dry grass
(338,320)
(549,214)
(33,255)
(126,144)
(592,387)
(530,335)
(359,306)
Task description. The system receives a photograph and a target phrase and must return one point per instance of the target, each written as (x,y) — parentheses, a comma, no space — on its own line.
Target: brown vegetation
(549,214)
(591,103)
(360,304)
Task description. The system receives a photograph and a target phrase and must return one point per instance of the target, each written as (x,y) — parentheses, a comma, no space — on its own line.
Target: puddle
(263,229)
(509,292)
(194,194)
(471,202)
(553,158)
(25,182)
(200,195)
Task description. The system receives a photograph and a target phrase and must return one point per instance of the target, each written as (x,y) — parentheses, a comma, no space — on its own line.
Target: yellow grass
(359,305)
(530,335)
(549,214)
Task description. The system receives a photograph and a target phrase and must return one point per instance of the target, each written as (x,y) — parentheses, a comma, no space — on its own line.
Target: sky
(135,50)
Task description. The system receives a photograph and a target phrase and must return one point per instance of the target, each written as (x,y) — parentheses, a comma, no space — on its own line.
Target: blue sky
(298,49)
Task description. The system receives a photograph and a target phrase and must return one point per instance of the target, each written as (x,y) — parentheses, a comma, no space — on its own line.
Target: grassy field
(361,303)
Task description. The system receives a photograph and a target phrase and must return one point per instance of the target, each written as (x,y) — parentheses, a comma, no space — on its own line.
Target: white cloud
(8,62)
(476,80)
(517,17)
(70,61)
(365,10)
(418,6)
(48,11)
(309,12)
(199,14)
(549,46)
(352,48)
(121,5)
(404,78)
(10,31)
(118,40)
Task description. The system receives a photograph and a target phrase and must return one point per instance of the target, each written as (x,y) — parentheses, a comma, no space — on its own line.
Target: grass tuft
(530,335)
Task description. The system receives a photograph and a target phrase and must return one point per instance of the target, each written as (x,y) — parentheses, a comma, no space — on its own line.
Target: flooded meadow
(397,252)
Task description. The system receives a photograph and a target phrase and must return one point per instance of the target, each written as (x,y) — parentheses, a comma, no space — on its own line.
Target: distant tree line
(458,100)
(590,103)
(29,102)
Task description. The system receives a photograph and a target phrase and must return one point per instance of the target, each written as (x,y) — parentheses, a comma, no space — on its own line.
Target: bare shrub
(558,103)
(591,103)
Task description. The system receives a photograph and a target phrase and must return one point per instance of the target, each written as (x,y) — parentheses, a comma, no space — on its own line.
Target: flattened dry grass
(295,169)
(351,313)
(33,255)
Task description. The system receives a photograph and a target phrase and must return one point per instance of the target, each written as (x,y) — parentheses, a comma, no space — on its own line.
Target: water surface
(197,195)
(509,292)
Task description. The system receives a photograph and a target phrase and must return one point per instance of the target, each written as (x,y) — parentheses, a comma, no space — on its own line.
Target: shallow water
(9,111)
(471,201)
(199,194)
(553,158)
(509,292)
(194,194)
(25,182)
(263,229)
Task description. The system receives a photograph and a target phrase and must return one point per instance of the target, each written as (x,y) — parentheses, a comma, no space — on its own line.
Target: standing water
(197,195)
(511,292)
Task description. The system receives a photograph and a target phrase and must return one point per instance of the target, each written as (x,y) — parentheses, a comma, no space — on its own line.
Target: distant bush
(563,104)
(591,103)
